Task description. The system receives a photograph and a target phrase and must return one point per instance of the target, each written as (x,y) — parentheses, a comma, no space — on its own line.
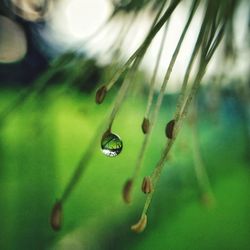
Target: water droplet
(111,144)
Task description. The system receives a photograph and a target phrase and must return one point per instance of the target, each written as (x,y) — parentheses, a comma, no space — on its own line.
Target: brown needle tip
(127,189)
(140,225)
(100,94)
(56,216)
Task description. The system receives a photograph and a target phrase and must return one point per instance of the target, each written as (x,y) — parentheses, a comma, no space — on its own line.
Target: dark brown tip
(127,189)
(170,129)
(147,186)
(145,125)
(56,216)
(100,94)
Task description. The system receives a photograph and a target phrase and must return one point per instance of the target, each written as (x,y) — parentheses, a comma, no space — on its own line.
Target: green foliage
(40,145)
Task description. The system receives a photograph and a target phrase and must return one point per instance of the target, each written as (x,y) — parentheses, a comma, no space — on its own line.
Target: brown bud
(140,225)
(170,129)
(145,125)
(127,191)
(56,216)
(100,94)
(147,186)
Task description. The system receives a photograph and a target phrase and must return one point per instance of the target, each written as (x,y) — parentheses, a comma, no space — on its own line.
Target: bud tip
(140,225)
(100,94)
(170,129)
(145,126)
(147,186)
(56,216)
(127,191)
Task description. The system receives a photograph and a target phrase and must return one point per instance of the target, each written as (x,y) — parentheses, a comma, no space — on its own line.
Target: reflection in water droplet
(111,145)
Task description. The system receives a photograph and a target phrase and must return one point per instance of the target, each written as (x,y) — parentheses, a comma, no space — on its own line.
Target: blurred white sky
(75,20)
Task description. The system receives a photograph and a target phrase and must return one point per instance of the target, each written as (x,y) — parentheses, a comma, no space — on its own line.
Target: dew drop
(111,144)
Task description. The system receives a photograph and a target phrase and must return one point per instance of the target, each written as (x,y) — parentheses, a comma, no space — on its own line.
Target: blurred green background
(43,140)
(48,117)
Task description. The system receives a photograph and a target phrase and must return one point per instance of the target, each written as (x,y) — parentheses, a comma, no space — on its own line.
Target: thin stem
(155,176)
(158,14)
(158,169)
(150,99)
(115,45)
(162,92)
(204,62)
(121,37)
(30,92)
(197,46)
(143,47)
(82,165)
(125,86)
(131,59)
(121,70)
(216,42)
(172,62)
(159,24)
(153,79)
(122,92)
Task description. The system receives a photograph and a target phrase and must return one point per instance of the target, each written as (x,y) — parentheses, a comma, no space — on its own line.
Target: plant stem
(158,169)
(139,53)
(82,165)
(30,92)
(153,79)
(125,86)
(162,92)
(122,92)
(204,60)
(197,46)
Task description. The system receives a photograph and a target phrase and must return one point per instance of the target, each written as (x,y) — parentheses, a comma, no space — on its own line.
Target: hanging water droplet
(111,144)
